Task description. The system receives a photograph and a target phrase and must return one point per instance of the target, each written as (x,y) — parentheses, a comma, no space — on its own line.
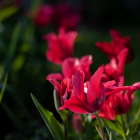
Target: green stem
(100,125)
(66,127)
(124,129)
(127,116)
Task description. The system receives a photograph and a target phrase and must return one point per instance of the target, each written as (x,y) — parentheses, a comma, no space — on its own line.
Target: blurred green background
(22,57)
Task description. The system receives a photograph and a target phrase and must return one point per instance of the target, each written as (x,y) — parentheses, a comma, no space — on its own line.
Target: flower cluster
(84,93)
(60,15)
(77,89)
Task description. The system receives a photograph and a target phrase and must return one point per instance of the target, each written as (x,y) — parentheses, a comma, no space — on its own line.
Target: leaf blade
(54,126)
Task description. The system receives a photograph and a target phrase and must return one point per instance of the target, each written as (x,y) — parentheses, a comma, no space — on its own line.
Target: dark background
(27,69)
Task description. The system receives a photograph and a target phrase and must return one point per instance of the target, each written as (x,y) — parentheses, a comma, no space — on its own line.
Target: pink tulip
(61,46)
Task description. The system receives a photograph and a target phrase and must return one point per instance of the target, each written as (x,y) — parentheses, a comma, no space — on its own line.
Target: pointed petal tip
(102,67)
(137,85)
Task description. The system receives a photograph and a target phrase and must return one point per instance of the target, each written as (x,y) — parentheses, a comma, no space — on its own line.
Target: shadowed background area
(23,58)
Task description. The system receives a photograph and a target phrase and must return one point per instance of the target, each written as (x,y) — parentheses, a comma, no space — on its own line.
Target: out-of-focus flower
(61,46)
(115,68)
(61,15)
(65,16)
(70,22)
(77,123)
(64,89)
(90,97)
(119,103)
(118,43)
(43,15)
(71,65)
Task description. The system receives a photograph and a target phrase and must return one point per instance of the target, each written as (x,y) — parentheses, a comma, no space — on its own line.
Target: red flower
(56,76)
(70,22)
(71,65)
(115,68)
(90,97)
(65,16)
(118,43)
(61,46)
(119,103)
(64,89)
(43,15)
(77,123)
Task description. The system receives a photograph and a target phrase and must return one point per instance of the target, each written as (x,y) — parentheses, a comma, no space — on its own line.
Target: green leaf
(62,113)
(133,128)
(137,118)
(112,136)
(12,48)
(99,131)
(119,119)
(3,88)
(113,126)
(8,11)
(54,126)
(110,133)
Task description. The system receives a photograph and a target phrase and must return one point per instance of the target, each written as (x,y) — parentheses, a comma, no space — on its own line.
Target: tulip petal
(105,47)
(86,60)
(121,81)
(115,34)
(78,85)
(85,63)
(121,59)
(105,78)
(56,76)
(76,105)
(99,98)
(70,67)
(94,85)
(96,90)
(65,84)
(56,85)
(129,95)
(112,90)
(109,84)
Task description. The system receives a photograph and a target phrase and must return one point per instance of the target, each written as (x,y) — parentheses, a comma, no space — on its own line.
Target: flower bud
(77,123)
(56,99)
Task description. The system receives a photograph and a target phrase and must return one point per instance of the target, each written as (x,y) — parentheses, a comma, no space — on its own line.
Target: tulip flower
(118,43)
(70,22)
(71,65)
(89,97)
(61,46)
(64,89)
(115,68)
(77,123)
(43,15)
(119,103)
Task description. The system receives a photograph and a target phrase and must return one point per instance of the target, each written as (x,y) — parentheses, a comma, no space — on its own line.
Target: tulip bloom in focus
(118,43)
(64,89)
(115,68)
(90,97)
(71,65)
(61,46)
(119,103)
(77,123)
